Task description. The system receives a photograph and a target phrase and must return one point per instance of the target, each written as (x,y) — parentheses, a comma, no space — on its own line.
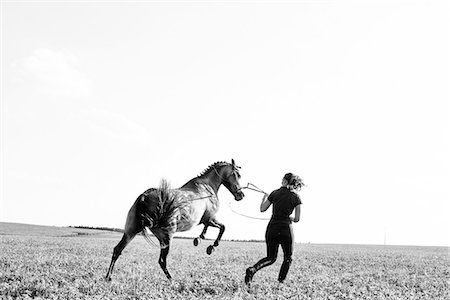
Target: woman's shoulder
(278,191)
(296,198)
(274,194)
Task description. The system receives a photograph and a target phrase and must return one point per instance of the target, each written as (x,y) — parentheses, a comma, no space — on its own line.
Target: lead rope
(250,186)
(253,187)
(250,217)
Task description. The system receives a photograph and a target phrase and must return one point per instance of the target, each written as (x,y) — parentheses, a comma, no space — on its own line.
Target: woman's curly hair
(293,182)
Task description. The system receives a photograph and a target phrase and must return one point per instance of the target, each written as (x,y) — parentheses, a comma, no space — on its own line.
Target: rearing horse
(165,211)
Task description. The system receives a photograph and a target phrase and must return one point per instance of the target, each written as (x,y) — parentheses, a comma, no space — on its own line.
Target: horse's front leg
(202,236)
(215,223)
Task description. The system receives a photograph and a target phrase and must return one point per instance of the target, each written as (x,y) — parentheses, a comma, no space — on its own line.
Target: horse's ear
(232,162)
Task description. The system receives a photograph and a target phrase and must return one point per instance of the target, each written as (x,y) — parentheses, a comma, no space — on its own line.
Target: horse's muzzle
(239,196)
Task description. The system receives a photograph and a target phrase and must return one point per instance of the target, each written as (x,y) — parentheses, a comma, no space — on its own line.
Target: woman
(279,230)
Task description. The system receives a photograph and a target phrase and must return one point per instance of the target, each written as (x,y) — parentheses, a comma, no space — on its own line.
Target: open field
(70,263)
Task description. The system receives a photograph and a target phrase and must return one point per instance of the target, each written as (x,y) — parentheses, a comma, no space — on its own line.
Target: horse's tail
(165,197)
(148,237)
(156,208)
(168,203)
(152,205)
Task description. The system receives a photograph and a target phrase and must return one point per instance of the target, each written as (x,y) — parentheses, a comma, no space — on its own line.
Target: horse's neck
(213,184)
(210,179)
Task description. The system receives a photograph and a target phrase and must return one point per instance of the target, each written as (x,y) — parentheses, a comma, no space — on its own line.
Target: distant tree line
(98,228)
(176,237)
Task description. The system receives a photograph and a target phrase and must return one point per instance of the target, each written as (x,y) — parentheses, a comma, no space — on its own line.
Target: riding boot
(258,266)
(249,275)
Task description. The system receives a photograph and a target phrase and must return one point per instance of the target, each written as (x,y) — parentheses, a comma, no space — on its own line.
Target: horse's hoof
(210,250)
(196,242)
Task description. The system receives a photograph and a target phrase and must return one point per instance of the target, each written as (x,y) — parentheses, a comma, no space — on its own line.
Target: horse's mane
(210,167)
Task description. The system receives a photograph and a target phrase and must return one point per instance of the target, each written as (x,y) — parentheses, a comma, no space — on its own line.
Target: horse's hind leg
(163,261)
(126,239)
(202,236)
(214,223)
(165,238)
(132,227)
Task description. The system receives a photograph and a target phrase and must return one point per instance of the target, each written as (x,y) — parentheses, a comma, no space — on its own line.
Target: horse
(164,211)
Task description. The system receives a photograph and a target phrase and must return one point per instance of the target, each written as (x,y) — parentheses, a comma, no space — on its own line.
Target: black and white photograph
(241,149)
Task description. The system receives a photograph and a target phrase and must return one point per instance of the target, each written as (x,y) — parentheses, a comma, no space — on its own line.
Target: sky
(101,100)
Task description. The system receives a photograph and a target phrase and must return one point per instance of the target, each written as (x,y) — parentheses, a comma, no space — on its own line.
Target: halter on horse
(165,211)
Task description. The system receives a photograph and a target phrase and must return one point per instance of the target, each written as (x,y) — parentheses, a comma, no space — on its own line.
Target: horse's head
(230,179)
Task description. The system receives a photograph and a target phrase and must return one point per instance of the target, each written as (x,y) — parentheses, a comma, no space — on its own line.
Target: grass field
(70,263)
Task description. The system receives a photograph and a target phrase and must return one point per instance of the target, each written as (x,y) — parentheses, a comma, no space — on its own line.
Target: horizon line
(119,230)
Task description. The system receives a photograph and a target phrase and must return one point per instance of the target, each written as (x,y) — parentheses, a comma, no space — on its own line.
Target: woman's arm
(297,214)
(265,203)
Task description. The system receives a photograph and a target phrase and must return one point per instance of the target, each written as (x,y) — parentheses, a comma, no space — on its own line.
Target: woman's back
(284,201)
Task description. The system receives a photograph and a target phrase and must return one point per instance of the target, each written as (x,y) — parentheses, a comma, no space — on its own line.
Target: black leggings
(278,235)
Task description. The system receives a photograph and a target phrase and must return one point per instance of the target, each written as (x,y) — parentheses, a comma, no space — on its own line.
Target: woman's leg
(287,244)
(272,243)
